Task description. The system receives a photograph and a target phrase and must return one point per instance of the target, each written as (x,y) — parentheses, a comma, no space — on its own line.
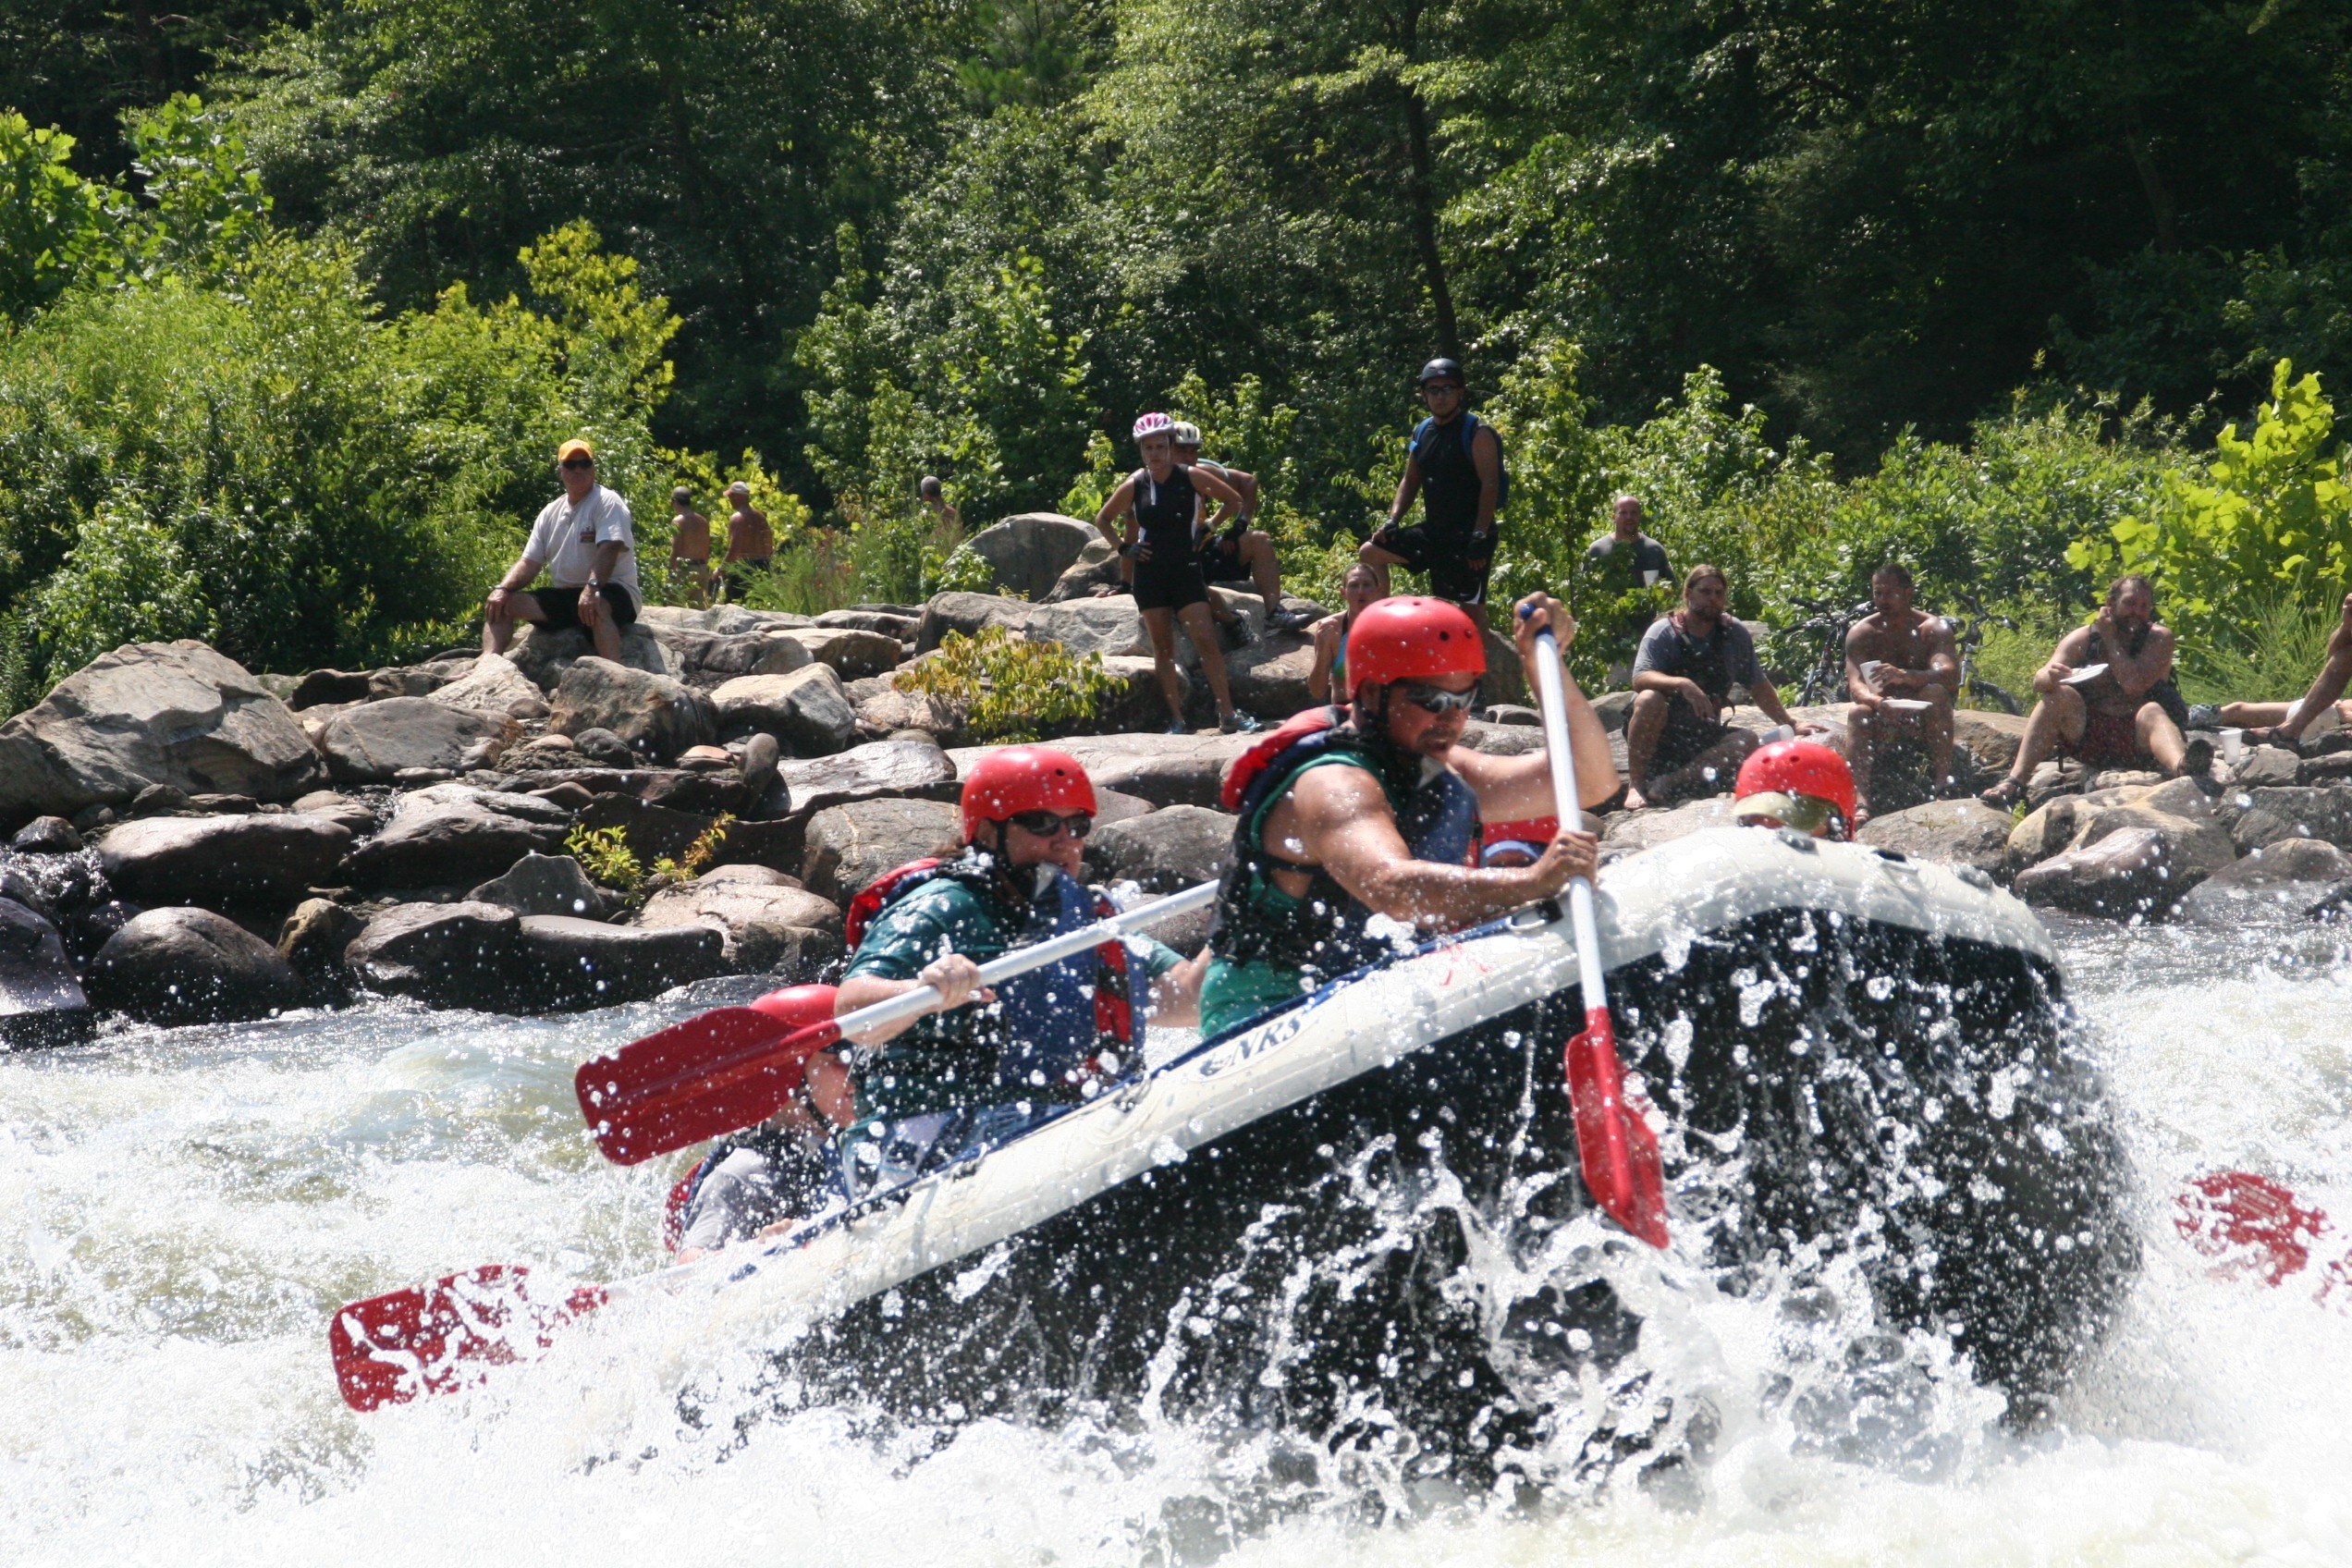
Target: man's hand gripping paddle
(726,1070)
(1617,1149)
(735,1068)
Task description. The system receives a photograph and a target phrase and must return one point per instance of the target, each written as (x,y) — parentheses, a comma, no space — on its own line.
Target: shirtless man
(1899,655)
(2126,716)
(2287,721)
(749,543)
(689,549)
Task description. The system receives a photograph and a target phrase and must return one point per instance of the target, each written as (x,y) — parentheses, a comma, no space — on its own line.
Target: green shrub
(1010,689)
(604,853)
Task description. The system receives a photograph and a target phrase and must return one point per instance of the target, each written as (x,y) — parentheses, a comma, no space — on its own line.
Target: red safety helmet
(1777,780)
(1020,778)
(1410,638)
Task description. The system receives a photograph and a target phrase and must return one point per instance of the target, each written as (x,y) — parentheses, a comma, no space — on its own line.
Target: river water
(179,1211)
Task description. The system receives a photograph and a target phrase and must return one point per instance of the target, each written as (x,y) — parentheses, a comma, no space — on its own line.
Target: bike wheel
(1985,691)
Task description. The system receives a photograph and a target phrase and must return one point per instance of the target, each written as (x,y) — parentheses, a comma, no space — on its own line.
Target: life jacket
(1328,931)
(1449,476)
(1051,1036)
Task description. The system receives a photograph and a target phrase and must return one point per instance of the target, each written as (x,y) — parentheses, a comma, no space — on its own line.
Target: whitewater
(179,1211)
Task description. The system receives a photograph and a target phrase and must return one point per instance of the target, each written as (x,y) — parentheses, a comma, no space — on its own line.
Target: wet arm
(1342,823)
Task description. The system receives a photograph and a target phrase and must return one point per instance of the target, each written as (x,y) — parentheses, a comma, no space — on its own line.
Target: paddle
(1617,1149)
(388,1349)
(735,1068)
(2252,1223)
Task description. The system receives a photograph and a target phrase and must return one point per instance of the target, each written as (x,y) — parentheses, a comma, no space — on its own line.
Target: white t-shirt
(564,538)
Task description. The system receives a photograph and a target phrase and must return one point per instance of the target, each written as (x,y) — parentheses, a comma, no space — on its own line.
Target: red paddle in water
(388,1349)
(1614,1145)
(2254,1226)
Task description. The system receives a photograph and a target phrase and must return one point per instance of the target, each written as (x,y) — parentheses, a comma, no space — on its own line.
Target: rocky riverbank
(191,841)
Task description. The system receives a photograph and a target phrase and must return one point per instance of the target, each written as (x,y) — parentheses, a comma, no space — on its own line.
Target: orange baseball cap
(575,445)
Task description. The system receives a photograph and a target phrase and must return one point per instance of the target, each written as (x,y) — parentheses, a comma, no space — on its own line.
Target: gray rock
(89,819)
(1629,832)
(1139,708)
(543,884)
(222,862)
(761,755)
(1027,553)
(565,963)
(352,814)
(849,846)
(968,613)
(1164,851)
(152,712)
(1269,679)
(878,768)
(653,713)
(1501,740)
(41,1002)
(189,966)
(1950,832)
(1515,716)
(727,620)
(806,710)
(750,875)
(2135,870)
(494,686)
(2265,767)
(2320,811)
(704,659)
(604,748)
(374,742)
(897,628)
(1097,566)
(852,655)
(762,926)
(46,836)
(312,938)
(888,711)
(455,834)
(448,955)
(1167,770)
(2289,880)
(1612,709)
(1109,626)
(544,656)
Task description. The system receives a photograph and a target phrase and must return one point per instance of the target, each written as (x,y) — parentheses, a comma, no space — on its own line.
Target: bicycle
(1827,621)
(1966,634)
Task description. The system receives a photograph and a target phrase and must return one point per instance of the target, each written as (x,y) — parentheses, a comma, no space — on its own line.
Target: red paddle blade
(718,1073)
(2250,1222)
(1617,1149)
(431,1339)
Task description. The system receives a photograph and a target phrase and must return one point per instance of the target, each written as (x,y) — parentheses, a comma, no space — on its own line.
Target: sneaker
(2203,716)
(1176,727)
(1239,631)
(2196,757)
(1238,723)
(1290,621)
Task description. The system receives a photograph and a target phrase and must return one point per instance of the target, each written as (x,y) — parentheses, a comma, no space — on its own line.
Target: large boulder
(330,805)
(454,835)
(880,768)
(728,621)
(764,926)
(806,710)
(1109,626)
(543,884)
(1165,851)
(494,686)
(1991,739)
(853,655)
(1137,706)
(1097,567)
(849,846)
(2290,880)
(1952,832)
(654,715)
(222,862)
(373,742)
(899,628)
(1027,553)
(41,1002)
(2176,810)
(544,656)
(884,710)
(2306,811)
(565,963)
(449,955)
(152,712)
(968,613)
(1629,832)
(704,659)
(2135,870)
(184,965)
(1167,770)
(1269,679)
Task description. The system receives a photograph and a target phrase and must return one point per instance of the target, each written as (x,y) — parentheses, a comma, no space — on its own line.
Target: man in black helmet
(1456,466)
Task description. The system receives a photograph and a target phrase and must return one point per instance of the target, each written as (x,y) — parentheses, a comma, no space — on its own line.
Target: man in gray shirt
(588,544)
(1677,746)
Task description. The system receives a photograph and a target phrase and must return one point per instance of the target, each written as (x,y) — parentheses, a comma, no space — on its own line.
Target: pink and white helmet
(1152,424)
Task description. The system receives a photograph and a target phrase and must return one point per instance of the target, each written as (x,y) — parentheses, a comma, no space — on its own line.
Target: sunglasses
(1436,699)
(1045,824)
(1451,389)
(578,462)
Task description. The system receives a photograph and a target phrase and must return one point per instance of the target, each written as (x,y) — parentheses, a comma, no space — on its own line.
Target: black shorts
(1685,736)
(1445,557)
(562,606)
(1220,559)
(736,575)
(1168,586)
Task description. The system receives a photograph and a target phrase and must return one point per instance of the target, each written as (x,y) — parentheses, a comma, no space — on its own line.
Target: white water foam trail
(178,1211)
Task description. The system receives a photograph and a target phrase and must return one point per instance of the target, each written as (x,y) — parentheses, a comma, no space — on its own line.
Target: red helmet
(1775,780)
(1020,778)
(1410,637)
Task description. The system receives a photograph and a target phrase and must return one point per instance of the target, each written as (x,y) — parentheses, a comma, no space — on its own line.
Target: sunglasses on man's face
(1045,824)
(1436,699)
(1441,390)
(579,462)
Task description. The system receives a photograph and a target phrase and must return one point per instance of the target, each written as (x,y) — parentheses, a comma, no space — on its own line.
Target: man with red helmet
(1371,809)
(984,1062)
(1799,784)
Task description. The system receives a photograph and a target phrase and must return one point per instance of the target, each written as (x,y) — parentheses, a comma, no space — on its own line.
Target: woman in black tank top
(1161,501)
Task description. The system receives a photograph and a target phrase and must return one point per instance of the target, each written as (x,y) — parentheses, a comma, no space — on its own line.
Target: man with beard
(1900,670)
(2108,699)
(1372,809)
(1677,746)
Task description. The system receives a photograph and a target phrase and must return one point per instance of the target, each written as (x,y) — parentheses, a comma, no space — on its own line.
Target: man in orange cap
(587,542)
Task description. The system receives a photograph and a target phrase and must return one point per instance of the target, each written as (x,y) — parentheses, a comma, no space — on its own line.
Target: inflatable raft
(1855,1059)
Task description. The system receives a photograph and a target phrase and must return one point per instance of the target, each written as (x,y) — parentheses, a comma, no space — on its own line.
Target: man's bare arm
(1341,820)
(2065,659)
(1486,457)
(1407,487)
(1858,646)
(2139,673)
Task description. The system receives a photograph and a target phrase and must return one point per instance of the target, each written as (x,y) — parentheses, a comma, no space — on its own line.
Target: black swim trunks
(562,606)
(1220,555)
(1446,554)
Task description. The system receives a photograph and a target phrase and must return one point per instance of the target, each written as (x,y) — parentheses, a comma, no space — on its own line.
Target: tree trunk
(1424,196)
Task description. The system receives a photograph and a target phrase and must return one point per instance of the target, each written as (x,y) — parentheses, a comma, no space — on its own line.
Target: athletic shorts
(1168,586)
(2111,739)
(737,576)
(1685,736)
(1445,558)
(1220,559)
(562,606)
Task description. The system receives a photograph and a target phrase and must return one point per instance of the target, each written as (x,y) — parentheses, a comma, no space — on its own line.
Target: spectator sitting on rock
(689,549)
(1238,553)
(2107,698)
(1621,560)
(2284,724)
(588,545)
(1327,681)
(1900,670)
(751,545)
(1677,746)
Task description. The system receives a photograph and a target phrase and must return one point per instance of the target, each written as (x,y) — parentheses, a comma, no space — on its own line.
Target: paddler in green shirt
(984,1064)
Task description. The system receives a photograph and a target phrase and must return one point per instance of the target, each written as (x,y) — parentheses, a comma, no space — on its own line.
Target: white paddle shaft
(1552,695)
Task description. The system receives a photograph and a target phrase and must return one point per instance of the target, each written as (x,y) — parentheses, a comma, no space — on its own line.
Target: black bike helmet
(1436,368)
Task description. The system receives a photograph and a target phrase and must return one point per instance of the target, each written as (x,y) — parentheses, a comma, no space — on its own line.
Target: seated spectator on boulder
(1327,681)
(1677,746)
(1900,670)
(2289,724)
(587,543)
(1231,550)
(2108,699)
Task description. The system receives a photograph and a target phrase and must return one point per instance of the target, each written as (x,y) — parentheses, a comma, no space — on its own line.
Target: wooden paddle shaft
(1553,694)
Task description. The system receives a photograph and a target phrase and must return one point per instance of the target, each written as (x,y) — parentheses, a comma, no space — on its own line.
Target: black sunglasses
(578,462)
(1452,386)
(1436,699)
(1045,824)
